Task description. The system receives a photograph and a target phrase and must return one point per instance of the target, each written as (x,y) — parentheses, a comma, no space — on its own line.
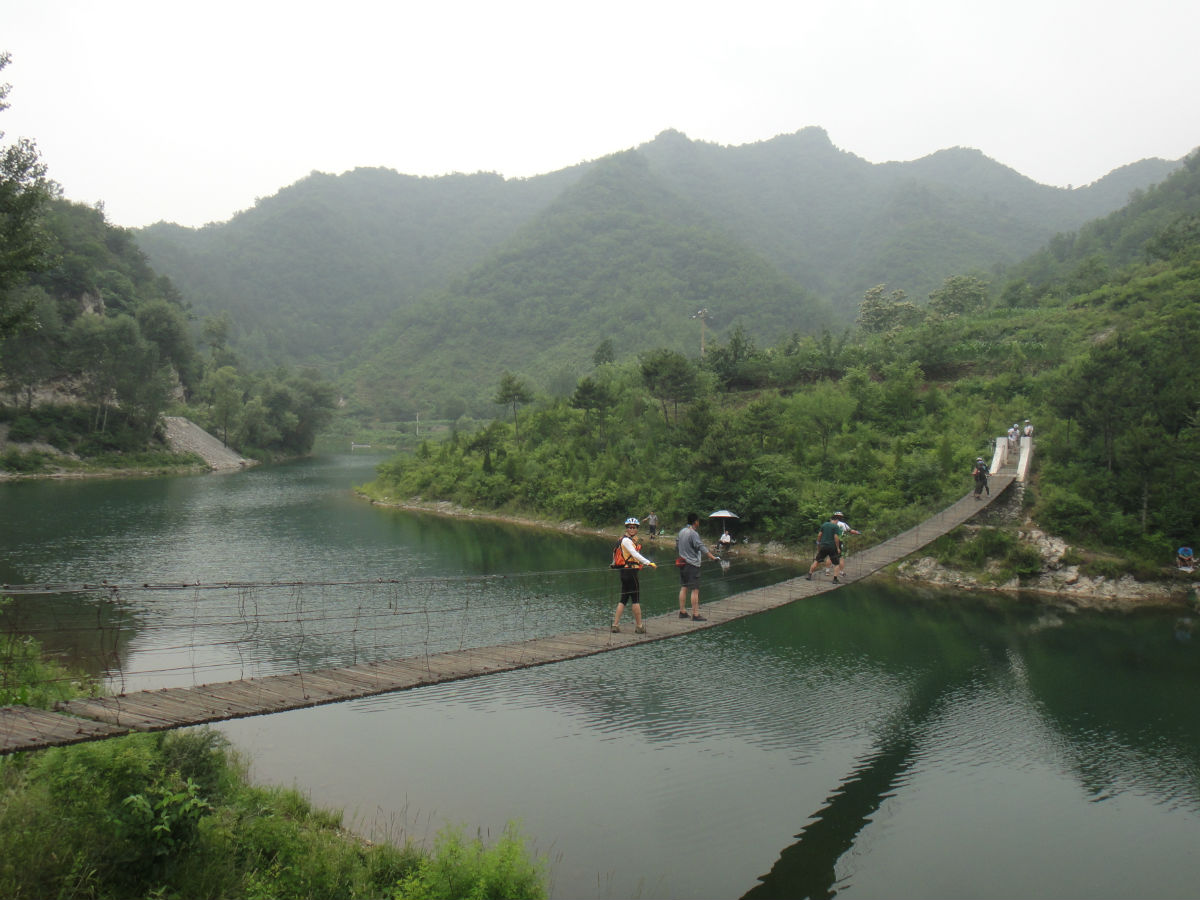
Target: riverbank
(1058,583)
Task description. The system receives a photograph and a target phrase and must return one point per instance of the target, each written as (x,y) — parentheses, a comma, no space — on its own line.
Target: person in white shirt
(629,552)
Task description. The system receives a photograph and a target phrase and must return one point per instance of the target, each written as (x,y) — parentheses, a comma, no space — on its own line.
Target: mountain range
(415,291)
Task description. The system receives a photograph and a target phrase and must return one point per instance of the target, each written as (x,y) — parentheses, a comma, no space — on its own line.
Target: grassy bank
(173,814)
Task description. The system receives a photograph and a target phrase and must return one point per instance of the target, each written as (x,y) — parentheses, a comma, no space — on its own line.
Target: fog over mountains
(413,287)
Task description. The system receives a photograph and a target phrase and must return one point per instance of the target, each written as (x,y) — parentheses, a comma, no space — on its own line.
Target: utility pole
(702,315)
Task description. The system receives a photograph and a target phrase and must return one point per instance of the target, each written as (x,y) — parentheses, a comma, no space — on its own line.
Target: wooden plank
(236,698)
(24,728)
(382,679)
(116,711)
(405,672)
(368,684)
(319,684)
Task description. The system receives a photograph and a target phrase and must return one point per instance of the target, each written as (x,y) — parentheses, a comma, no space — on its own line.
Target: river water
(874,741)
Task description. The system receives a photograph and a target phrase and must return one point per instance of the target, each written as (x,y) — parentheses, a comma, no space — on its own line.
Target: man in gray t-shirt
(689,548)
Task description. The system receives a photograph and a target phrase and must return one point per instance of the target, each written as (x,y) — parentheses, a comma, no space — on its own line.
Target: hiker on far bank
(980,472)
(1014,438)
(1028,430)
(628,552)
(652,524)
(829,547)
(688,549)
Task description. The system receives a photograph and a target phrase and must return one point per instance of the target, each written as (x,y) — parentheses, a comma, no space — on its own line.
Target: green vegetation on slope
(95,345)
(882,425)
(617,256)
(447,281)
(173,814)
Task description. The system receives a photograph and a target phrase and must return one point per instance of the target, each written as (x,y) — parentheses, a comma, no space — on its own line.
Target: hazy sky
(187,111)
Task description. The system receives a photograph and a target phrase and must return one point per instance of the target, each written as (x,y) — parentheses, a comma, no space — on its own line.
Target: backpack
(981,468)
(618,561)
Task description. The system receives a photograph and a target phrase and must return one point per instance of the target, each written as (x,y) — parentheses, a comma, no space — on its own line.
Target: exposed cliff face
(1063,581)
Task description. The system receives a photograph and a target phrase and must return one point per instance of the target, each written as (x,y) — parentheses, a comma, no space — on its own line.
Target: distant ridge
(416,288)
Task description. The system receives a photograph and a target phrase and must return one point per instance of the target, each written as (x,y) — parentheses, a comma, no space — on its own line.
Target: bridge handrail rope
(257,631)
(400,624)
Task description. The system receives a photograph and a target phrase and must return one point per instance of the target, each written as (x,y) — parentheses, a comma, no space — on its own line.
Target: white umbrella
(722,514)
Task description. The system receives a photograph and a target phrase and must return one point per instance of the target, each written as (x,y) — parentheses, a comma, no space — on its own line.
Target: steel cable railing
(142,637)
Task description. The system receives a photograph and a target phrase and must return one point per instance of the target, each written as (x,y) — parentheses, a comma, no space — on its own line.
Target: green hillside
(780,228)
(305,274)
(840,225)
(884,425)
(617,257)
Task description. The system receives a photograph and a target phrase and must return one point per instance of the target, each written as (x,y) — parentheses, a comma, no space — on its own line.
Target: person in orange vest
(628,560)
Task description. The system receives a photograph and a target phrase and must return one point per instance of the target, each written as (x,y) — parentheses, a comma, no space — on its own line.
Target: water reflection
(874,741)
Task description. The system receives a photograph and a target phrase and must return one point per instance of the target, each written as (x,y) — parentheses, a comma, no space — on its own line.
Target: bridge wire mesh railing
(138,636)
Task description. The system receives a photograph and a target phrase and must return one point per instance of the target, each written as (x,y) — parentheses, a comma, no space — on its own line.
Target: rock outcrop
(1062,580)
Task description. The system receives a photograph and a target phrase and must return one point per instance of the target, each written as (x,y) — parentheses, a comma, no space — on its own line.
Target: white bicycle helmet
(632,521)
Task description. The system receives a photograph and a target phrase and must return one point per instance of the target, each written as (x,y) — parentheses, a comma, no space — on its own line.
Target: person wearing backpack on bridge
(628,560)
(980,471)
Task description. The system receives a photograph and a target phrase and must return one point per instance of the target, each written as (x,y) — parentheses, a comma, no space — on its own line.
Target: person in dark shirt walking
(829,547)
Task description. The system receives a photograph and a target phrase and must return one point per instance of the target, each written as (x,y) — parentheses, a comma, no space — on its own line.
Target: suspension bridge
(397,667)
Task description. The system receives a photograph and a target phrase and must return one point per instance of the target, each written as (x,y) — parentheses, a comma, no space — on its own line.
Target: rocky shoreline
(1059,583)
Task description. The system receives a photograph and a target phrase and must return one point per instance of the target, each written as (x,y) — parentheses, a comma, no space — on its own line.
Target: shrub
(24,463)
(26,679)
(1062,511)
(24,430)
(459,868)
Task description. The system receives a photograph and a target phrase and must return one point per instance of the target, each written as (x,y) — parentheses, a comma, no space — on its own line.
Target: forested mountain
(883,423)
(306,273)
(456,278)
(840,225)
(618,257)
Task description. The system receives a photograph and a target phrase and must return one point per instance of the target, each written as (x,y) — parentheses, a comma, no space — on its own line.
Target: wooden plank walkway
(22,728)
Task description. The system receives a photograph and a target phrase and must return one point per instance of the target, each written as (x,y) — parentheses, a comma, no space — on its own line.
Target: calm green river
(874,741)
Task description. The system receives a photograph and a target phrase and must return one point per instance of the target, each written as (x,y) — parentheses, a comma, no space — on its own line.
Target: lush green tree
(513,392)
(737,362)
(222,389)
(879,314)
(959,294)
(594,398)
(100,348)
(165,325)
(33,356)
(605,353)
(671,378)
(821,412)
(24,193)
